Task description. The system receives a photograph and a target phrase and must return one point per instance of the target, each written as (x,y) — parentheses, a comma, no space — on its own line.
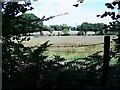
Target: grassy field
(75,52)
(70,47)
(65,40)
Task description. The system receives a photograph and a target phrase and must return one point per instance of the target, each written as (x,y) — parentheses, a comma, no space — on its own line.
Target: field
(70,47)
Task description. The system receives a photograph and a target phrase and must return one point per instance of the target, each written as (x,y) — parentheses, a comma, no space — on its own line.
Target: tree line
(38,26)
(98,28)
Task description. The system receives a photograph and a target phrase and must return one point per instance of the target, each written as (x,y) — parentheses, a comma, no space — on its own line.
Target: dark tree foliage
(22,66)
(28,68)
(114,77)
(9,18)
(115,25)
(25,67)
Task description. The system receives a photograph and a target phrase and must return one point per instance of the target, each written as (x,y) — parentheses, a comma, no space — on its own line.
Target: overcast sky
(86,12)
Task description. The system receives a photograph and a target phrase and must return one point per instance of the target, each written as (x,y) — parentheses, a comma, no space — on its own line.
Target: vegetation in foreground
(29,68)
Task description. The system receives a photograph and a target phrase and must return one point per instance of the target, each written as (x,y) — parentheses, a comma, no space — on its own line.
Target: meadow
(70,47)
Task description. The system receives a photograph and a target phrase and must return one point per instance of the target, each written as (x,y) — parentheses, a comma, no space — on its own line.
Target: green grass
(69,47)
(73,53)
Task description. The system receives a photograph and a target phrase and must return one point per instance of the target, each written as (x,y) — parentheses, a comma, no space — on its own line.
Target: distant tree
(65,29)
(24,23)
(85,26)
(65,26)
(46,28)
(98,27)
(32,26)
(55,27)
(78,27)
(74,29)
(52,26)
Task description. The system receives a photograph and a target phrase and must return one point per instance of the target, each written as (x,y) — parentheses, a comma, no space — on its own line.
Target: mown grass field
(70,47)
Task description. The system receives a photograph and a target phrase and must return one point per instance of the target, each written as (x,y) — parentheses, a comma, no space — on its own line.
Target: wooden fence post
(105,70)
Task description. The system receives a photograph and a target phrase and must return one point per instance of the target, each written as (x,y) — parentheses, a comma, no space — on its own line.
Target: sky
(85,12)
